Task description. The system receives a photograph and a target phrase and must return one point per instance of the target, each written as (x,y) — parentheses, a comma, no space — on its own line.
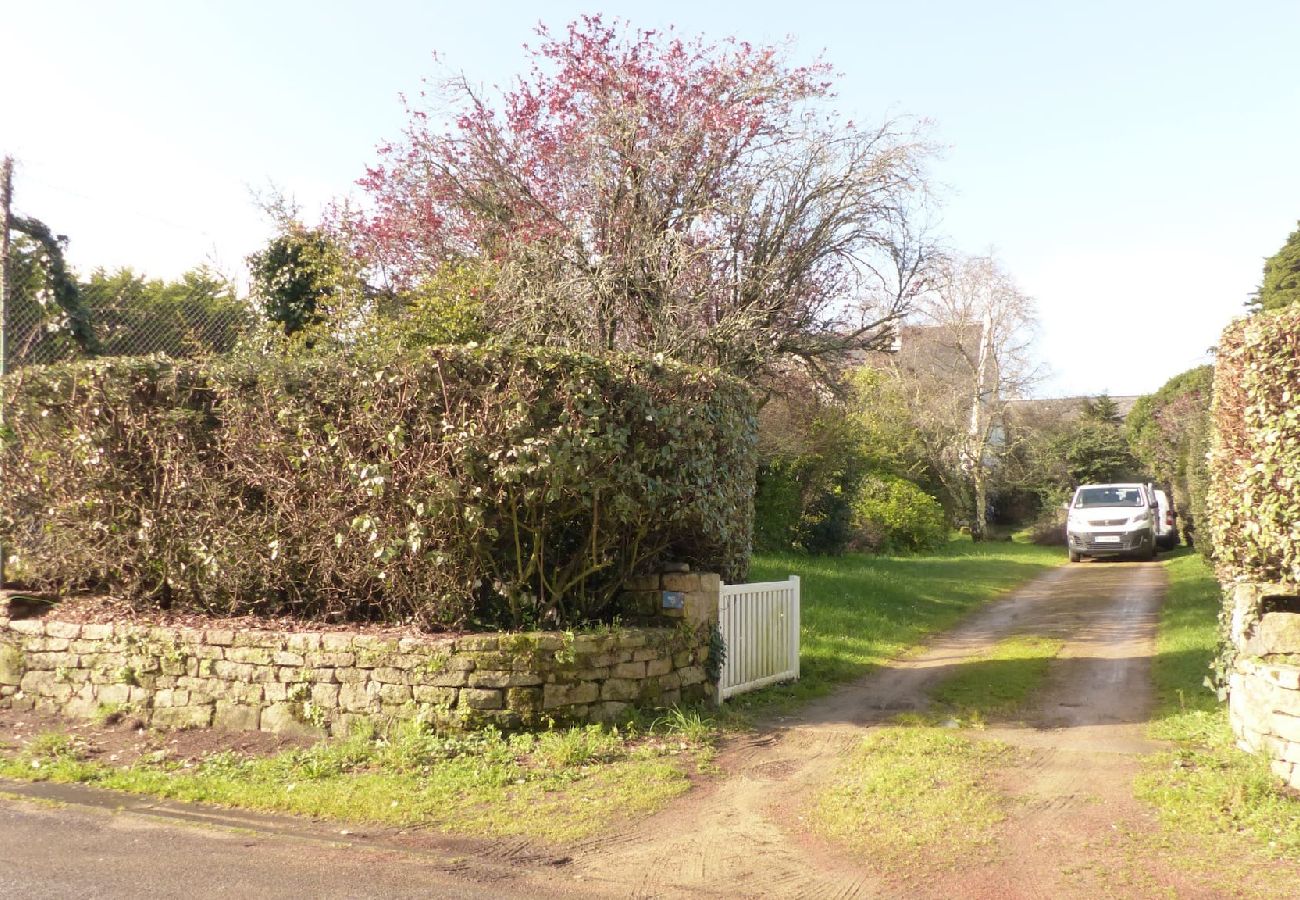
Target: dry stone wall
(1264,684)
(321,682)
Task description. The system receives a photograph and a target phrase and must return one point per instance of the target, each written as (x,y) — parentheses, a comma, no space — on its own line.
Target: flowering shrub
(497,486)
(644,189)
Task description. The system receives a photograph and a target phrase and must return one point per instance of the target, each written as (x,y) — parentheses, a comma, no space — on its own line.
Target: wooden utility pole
(6,202)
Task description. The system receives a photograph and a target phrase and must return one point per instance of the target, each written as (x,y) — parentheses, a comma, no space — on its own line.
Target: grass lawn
(1206,786)
(859,611)
(559,785)
(996,684)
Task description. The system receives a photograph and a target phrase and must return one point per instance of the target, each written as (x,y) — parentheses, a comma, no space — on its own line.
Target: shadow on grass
(1037,690)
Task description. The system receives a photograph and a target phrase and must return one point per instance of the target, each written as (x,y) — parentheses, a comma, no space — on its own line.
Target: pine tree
(1102,408)
(1281,284)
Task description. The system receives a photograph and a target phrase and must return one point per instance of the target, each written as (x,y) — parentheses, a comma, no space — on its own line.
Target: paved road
(86,847)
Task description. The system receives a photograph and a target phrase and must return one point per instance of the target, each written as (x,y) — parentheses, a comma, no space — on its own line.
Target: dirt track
(1084,738)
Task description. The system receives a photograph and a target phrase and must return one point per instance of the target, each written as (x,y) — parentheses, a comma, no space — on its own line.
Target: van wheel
(1074,557)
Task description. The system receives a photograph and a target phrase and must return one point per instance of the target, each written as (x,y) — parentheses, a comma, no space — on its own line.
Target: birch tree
(967,355)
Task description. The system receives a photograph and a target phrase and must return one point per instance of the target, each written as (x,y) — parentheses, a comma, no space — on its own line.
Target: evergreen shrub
(891,514)
(457,486)
(1254,495)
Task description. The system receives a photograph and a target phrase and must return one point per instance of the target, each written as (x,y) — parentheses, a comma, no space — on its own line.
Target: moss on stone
(12,664)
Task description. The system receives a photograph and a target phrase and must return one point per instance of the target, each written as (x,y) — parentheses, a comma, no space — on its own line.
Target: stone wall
(321,682)
(1264,685)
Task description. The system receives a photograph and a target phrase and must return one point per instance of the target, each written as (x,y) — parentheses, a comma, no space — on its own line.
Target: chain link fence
(51,315)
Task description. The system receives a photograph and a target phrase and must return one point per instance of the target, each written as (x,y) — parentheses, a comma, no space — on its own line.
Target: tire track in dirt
(744,836)
(1084,736)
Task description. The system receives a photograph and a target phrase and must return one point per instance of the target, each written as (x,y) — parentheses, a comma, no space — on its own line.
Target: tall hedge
(1169,432)
(1199,435)
(1254,496)
(494,486)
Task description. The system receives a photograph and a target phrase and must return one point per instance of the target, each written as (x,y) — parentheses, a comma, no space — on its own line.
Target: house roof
(1069,407)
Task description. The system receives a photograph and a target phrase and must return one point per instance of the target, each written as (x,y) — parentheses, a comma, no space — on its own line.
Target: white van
(1112,520)
(1166,522)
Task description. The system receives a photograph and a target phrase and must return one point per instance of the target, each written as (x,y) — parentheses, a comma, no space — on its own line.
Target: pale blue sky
(1132,163)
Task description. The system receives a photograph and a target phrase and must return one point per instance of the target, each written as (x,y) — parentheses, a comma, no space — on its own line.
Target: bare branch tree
(968,356)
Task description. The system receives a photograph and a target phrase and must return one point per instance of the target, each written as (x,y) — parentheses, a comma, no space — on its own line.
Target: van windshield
(1108,496)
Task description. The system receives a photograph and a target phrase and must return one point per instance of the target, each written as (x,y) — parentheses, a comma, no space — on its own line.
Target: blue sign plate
(674,600)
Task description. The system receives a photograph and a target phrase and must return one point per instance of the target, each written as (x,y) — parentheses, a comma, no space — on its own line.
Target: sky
(1131,163)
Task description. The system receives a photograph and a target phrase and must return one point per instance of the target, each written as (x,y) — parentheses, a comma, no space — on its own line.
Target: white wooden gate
(760,629)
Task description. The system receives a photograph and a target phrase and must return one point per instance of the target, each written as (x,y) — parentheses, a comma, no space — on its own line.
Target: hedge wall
(1254,495)
(463,486)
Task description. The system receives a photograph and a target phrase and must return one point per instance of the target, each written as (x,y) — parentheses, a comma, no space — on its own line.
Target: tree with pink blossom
(638,190)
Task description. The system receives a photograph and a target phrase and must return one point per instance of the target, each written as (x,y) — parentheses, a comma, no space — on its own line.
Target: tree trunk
(977,527)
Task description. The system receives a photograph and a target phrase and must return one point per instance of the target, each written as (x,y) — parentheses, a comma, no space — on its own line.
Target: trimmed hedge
(1197,530)
(505,487)
(1169,432)
(1254,495)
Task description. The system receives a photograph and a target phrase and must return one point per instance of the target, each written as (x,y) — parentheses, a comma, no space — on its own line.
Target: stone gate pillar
(678,596)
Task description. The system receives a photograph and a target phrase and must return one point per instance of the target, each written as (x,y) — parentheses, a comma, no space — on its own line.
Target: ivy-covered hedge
(461,486)
(1254,496)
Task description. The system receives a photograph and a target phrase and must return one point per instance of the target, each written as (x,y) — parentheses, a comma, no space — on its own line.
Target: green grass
(860,611)
(997,683)
(560,785)
(1186,708)
(1206,786)
(908,791)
